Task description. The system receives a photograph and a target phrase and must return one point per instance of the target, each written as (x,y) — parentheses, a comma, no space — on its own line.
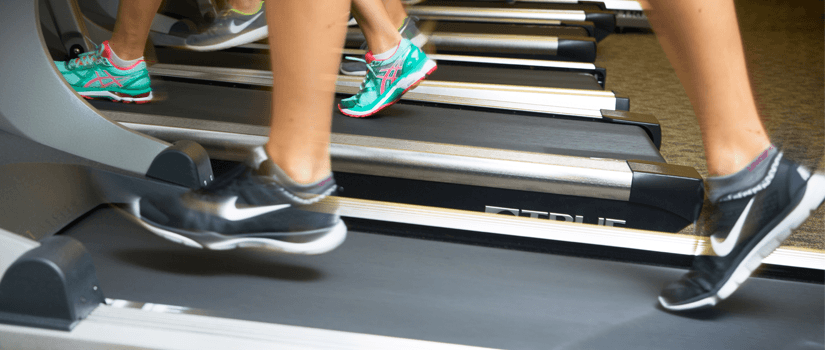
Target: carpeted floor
(784,43)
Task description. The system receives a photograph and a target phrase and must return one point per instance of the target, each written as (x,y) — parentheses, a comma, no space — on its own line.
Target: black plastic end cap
(647,122)
(605,23)
(674,188)
(577,49)
(185,163)
(53,286)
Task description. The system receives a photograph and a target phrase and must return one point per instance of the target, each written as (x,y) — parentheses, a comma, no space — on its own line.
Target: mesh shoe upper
(231,27)
(93,71)
(380,84)
(738,223)
(246,201)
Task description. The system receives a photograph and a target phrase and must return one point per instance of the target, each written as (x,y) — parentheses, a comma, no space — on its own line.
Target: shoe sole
(333,238)
(117,96)
(245,38)
(416,78)
(811,200)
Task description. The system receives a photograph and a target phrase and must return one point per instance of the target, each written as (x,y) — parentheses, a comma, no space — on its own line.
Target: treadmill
(106,283)
(518,12)
(501,39)
(629,13)
(512,162)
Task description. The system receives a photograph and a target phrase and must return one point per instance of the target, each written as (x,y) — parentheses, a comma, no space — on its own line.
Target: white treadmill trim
(497,60)
(560,15)
(618,237)
(155,326)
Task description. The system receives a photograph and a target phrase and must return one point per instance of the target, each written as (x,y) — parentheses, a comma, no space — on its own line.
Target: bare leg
(306,38)
(246,6)
(382,35)
(134,19)
(701,39)
(396,12)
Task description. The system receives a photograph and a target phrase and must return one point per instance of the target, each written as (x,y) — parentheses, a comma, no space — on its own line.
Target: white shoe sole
(115,97)
(245,38)
(813,198)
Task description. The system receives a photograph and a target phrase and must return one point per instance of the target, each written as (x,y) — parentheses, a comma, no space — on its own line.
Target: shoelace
(367,84)
(85,58)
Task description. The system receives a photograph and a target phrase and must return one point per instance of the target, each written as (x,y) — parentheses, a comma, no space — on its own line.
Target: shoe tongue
(369,57)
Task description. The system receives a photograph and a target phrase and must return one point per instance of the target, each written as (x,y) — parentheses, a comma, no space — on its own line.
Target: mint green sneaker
(93,75)
(388,80)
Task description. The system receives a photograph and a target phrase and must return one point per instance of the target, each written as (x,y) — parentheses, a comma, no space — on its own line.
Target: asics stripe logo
(103,83)
(237,29)
(724,247)
(227,209)
(390,74)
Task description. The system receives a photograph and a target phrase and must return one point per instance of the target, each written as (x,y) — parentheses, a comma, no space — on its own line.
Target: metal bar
(571,102)
(468,12)
(464,165)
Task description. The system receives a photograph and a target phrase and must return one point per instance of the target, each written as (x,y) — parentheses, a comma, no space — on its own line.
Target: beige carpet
(784,44)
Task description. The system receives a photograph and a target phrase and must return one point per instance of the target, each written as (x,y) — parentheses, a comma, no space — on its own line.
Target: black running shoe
(747,226)
(230,29)
(252,205)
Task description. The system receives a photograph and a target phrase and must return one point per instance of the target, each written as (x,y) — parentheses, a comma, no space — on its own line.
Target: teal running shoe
(388,80)
(94,76)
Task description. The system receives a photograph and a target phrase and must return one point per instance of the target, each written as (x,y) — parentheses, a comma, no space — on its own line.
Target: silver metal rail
(570,102)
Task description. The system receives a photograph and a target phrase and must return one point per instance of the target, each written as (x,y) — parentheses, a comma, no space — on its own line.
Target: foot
(94,76)
(747,226)
(388,80)
(231,28)
(253,205)
(408,31)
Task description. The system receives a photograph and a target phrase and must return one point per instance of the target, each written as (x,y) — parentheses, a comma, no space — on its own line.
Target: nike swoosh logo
(227,209)
(237,29)
(724,247)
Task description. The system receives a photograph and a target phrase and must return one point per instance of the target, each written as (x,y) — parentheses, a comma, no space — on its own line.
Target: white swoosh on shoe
(724,247)
(237,29)
(227,209)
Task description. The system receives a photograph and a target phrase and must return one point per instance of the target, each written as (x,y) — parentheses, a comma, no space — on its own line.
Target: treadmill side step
(52,286)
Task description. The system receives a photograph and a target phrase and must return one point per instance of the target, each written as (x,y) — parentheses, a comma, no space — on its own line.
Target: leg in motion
(276,199)
(116,70)
(758,196)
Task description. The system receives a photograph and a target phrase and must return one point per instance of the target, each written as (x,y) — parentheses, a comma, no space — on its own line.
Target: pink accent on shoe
(107,52)
(370,57)
(390,74)
(104,84)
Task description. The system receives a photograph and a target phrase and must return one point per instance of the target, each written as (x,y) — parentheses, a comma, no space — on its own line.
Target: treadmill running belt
(411,122)
(446,292)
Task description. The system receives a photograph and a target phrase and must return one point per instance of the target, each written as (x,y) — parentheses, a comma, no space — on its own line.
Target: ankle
(246,7)
(125,52)
(302,170)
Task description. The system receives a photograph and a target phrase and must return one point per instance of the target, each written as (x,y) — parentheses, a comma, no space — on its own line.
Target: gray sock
(736,185)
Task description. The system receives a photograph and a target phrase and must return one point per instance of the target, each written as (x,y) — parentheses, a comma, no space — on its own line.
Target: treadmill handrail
(66,121)
(465,165)
(504,61)
(561,15)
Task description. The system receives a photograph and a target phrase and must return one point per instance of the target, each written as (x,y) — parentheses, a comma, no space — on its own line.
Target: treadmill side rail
(645,121)
(674,188)
(53,286)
